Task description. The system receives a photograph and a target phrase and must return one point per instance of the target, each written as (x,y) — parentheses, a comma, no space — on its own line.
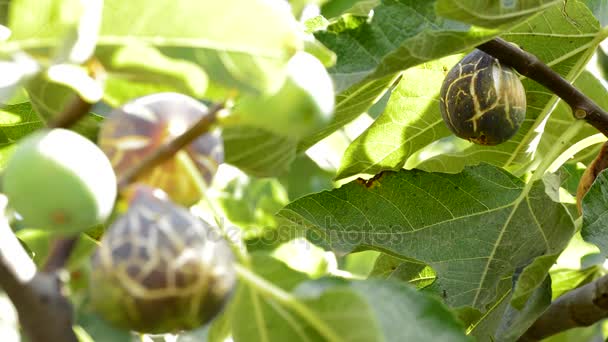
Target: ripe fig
(159,269)
(482,100)
(58,180)
(138,128)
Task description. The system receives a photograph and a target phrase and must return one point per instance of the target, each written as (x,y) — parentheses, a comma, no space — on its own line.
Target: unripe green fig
(304,104)
(483,100)
(58,180)
(159,269)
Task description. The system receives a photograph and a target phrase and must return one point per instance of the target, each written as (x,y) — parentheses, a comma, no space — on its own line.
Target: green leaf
(137,69)
(66,29)
(491,13)
(515,322)
(350,104)
(258,152)
(400,34)
(16,121)
(305,177)
(530,279)
(414,272)
(304,103)
(381,311)
(410,121)
(251,203)
(334,8)
(595,220)
(599,9)
(449,222)
(575,34)
(565,280)
(256,318)
(247,47)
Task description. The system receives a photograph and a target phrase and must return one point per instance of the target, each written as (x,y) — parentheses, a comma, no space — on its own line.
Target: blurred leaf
(54,27)
(256,318)
(334,8)
(414,272)
(304,103)
(470,239)
(349,105)
(305,177)
(247,47)
(566,44)
(98,329)
(258,152)
(515,322)
(599,9)
(251,202)
(360,264)
(491,13)
(303,256)
(137,69)
(15,70)
(565,280)
(385,311)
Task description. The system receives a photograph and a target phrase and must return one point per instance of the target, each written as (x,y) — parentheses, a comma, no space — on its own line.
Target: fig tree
(482,100)
(58,180)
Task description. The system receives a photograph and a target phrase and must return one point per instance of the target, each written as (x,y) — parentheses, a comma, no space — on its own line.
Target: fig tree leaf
(16,121)
(258,152)
(399,35)
(515,321)
(137,69)
(491,13)
(414,272)
(410,121)
(381,310)
(251,203)
(54,28)
(257,318)
(247,50)
(334,8)
(473,228)
(566,44)
(349,105)
(595,220)
(564,280)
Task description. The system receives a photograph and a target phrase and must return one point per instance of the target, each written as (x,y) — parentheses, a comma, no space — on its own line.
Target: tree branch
(578,308)
(530,66)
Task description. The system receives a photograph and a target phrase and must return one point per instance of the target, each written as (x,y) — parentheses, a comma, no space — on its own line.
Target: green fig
(58,180)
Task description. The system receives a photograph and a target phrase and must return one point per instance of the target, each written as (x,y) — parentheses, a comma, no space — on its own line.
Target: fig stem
(170,148)
(73,112)
(530,66)
(268,289)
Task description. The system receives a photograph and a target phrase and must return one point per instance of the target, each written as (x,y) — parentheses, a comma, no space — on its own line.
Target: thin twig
(73,112)
(530,66)
(170,148)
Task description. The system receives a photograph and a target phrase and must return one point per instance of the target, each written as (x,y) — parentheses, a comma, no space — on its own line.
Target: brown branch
(74,111)
(530,66)
(578,308)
